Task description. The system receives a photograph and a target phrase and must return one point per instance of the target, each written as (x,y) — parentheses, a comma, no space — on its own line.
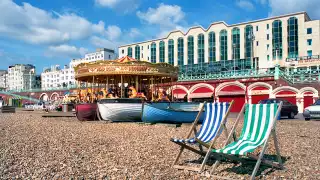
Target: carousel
(115,90)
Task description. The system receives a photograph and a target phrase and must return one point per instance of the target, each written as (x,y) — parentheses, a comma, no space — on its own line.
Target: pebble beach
(63,148)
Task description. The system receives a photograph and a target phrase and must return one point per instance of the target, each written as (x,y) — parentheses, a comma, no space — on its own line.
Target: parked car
(288,109)
(312,112)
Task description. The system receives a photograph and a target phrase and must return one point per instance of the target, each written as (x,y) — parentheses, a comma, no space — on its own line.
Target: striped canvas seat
(258,121)
(215,113)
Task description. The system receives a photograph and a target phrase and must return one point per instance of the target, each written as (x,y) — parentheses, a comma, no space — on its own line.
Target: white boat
(120,110)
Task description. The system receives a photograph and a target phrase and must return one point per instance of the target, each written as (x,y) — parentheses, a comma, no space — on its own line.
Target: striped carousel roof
(126,59)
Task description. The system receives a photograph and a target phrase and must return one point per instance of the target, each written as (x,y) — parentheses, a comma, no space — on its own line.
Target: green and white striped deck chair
(259,124)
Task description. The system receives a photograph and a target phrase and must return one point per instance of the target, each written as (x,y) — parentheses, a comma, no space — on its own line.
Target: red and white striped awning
(126,59)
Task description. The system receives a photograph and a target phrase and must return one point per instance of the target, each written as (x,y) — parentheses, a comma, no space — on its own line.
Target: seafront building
(22,77)
(3,79)
(246,62)
(100,55)
(56,77)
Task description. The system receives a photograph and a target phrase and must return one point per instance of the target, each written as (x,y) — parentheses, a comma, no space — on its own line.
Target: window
(257,28)
(248,43)
(267,36)
(257,43)
(268,57)
(190,50)
(148,46)
(142,55)
(141,47)
(137,52)
(122,52)
(267,26)
(153,52)
(268,46)
(309,31)
(161,51)
(235,43)
(309,53)
(200,48)
(109,56)
(309,42)
(277,39)
(129,52)
(212,47)
(171,51)
(292,39)
(180,51)
(223,45)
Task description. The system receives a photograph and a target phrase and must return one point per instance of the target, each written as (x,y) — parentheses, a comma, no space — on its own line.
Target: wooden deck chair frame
(259,158)
(206,155)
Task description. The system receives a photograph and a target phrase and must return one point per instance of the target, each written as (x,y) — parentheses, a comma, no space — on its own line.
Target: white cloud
(279,7)
(107,3)
(134,32)
(123,6)
(245,4)
(66,51)
(166,17)
(113,32)
(37,26)
(102,42)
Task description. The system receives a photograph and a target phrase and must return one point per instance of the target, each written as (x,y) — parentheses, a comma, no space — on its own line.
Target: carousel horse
(135,94)
(162,96)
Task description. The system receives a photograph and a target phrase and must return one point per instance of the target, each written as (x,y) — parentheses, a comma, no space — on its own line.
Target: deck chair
(213,124)
(259,124)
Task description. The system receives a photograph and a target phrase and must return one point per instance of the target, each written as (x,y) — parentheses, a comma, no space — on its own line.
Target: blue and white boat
(171,112)
(120,110)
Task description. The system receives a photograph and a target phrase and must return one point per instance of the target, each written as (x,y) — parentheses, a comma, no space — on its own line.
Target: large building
(246,62)
(99,55)
(266,40)
(56,77)
(3,79)
(22,77)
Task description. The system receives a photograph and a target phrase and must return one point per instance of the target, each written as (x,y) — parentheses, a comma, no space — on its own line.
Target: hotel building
(261,42)
(275,57)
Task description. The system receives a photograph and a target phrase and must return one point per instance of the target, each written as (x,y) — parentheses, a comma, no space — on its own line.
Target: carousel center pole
(137,83)
(121,87)
(92,90)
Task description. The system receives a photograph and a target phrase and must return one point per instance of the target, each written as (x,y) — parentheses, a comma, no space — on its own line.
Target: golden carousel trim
(125,66)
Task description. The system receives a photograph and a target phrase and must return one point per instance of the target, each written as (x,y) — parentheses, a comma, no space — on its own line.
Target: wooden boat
(120,110)
(86,112)
(171,112)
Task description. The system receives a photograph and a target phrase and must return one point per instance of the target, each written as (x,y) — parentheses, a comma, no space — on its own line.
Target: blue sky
(44,32)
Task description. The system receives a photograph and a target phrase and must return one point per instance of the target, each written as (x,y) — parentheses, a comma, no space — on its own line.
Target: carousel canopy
(125,66)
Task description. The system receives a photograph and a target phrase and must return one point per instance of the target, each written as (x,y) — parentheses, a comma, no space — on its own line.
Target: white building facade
(264,42)
(22,77)
(55,77)
(100,55)
(3,80)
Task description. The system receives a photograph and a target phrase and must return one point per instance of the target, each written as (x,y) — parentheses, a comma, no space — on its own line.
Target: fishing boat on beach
(120,110)
(86,112)
(175,112)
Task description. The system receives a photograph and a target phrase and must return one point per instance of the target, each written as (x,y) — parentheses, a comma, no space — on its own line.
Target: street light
(277,54)
(251,37)
(234,59)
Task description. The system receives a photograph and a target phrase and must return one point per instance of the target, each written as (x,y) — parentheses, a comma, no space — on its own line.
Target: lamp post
(251,38)
(234,59)
(277,55)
